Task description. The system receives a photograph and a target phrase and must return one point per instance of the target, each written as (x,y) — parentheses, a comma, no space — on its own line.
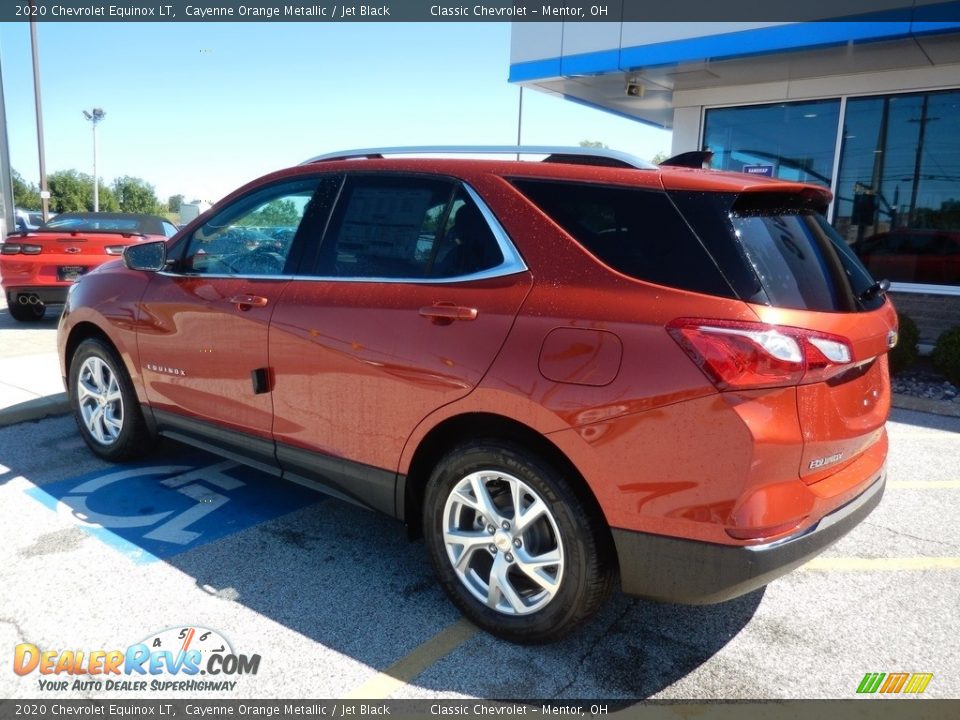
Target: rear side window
(636,232)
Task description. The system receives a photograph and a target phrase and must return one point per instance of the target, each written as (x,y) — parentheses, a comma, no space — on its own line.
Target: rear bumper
(48,295)
(699,573)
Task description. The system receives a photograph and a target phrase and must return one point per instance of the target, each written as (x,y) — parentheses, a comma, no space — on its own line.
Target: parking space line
(385,683)
(852,564)
(924,484)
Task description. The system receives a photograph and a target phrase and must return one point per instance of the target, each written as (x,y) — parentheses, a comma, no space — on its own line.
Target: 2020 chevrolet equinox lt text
(561,372)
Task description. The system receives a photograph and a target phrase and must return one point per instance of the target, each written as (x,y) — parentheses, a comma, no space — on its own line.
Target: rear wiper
(881,286)
(131,234)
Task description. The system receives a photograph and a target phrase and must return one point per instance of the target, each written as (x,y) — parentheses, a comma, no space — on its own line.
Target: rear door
(402,310)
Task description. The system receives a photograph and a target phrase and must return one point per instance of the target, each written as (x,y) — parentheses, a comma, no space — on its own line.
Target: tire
(26,313)
(105,404)
(529,584)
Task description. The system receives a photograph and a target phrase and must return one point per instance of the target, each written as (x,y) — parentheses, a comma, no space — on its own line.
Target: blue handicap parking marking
(159,509)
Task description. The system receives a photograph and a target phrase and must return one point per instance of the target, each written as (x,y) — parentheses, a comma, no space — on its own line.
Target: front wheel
(105,404)
(514,547)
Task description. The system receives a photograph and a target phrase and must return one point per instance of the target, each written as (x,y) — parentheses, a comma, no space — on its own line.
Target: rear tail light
(115,249)
(17,248)
(742,355)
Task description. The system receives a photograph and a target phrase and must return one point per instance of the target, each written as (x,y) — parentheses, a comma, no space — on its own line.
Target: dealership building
(869,109)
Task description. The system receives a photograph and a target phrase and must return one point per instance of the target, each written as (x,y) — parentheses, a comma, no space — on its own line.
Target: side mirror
(148,256)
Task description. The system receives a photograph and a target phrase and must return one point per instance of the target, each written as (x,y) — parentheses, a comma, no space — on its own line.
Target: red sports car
(37,267)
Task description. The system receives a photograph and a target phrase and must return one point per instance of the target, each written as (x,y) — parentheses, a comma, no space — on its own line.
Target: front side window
(407,228)
(253,236)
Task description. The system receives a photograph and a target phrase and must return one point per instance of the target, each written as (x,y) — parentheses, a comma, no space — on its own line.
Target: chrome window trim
(512,264)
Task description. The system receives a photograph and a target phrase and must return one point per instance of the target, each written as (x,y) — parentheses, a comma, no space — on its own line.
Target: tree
(659,158)
(135,195)
(26,196)
(174,202)
(72,191)
(275,214)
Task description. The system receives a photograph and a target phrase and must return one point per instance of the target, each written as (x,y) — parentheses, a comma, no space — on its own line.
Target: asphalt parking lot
(337,603)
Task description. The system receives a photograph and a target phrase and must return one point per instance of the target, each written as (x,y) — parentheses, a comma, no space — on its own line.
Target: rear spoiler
(760,200)
(693,159)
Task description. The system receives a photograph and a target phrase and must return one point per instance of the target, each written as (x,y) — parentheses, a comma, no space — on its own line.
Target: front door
(205,323)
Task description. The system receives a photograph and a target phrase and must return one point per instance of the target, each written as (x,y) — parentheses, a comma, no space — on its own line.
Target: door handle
(245,302)
(444,313)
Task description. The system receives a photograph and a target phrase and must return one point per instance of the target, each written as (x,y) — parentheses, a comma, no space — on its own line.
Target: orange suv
(558,372)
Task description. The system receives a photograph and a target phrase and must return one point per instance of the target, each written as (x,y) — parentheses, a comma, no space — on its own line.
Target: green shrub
(946,354)
(904,354)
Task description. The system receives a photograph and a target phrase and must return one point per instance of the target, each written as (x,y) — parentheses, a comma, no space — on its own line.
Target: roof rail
(578,155)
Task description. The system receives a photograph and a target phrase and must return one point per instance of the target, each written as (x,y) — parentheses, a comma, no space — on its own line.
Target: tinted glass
(398,227)
(254,235)
(105,223)
(467,244)
(802,264)
(636,232)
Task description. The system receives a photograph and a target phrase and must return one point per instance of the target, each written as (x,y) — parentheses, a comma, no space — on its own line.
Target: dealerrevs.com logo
(190,659)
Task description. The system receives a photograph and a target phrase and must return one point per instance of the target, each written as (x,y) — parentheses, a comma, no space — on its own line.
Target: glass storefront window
(791,141)
(898,190)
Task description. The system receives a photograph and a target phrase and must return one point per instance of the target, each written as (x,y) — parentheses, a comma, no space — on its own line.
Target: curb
(934,407)
(36,409)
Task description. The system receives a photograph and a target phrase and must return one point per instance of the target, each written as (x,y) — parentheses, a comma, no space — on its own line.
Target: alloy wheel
(503,542)
(100,400)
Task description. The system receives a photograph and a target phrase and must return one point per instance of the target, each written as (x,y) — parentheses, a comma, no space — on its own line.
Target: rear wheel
(105,404)
(513,546)
(26,313)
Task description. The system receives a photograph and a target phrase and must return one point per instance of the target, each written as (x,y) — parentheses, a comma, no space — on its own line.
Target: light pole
(95,116)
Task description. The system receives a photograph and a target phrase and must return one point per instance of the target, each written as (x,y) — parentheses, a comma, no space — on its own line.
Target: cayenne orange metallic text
(565,374)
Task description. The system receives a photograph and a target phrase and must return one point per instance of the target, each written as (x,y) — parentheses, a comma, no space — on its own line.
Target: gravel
(922,381)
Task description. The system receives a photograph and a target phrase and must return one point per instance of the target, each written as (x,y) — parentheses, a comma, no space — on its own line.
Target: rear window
(93,223)
(802,264)
(777,249)
(636,232)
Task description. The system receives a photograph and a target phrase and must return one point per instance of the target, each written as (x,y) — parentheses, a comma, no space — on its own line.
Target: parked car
(26,220)
(559,373)
(38,266)
(913,255)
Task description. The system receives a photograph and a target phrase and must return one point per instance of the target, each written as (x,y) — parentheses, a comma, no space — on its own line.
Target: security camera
(634,89)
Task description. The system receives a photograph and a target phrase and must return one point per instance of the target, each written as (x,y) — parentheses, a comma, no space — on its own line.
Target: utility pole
(35,52)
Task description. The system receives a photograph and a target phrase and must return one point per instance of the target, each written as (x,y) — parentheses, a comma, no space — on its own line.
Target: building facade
(870,110)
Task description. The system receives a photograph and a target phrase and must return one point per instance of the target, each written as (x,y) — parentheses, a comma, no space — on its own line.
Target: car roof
(665,177)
